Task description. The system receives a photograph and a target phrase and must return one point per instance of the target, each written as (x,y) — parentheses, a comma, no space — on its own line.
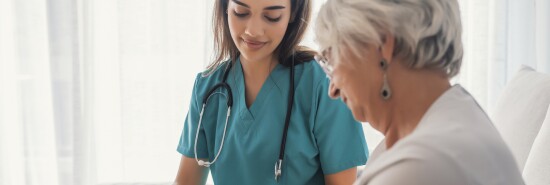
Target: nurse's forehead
(264,4)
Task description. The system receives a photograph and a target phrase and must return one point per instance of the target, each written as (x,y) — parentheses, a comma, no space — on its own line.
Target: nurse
(270,121)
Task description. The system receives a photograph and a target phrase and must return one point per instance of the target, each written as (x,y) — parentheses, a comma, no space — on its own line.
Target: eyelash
(268,18)
(273,19)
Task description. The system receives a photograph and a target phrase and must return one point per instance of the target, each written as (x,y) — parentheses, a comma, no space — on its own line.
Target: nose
(254,27)
(333,91)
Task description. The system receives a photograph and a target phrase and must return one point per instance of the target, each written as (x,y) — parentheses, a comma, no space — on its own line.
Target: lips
(252,44)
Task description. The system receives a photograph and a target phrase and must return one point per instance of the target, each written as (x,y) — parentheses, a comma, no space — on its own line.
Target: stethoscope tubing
(224,85)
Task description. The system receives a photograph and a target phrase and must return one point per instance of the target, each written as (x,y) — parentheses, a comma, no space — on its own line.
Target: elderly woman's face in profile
(356,80)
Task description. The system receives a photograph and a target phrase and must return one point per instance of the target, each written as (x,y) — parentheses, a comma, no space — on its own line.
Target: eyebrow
(266,8)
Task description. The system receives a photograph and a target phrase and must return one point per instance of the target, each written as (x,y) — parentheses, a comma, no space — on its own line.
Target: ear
(387,47)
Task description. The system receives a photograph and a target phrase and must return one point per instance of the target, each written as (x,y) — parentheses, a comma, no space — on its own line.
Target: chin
(253,55)
(360,118)
(359,114)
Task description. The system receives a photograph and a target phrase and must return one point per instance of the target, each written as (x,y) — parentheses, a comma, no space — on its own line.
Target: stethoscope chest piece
(278,169)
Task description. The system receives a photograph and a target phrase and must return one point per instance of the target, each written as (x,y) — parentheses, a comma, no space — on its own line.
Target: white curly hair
(427,32)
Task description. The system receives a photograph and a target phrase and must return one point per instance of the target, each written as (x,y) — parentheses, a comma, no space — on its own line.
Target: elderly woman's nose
(333,91)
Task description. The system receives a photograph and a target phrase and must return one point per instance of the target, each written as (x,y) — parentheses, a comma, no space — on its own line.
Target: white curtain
(499,37)
(26,95)
(96,91)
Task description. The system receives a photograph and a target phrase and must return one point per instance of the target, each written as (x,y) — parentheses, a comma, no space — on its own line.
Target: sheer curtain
(499,37)
(27,127)
(96,91)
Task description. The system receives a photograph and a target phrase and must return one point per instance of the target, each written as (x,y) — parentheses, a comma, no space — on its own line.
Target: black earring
(383,64)
(385,92)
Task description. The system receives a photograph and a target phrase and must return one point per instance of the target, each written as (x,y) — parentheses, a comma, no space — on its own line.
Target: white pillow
(537,167)
(521,109)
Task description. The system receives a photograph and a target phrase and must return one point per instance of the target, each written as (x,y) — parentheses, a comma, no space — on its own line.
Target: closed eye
(273,19)
(240,14)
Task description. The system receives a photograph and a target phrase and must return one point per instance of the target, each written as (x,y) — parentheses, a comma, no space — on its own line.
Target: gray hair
(427,32)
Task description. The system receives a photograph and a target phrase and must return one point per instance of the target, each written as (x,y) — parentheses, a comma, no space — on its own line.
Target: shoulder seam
(315,97)
(197,79)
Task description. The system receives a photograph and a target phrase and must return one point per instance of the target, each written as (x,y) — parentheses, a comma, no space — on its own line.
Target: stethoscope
(224,85)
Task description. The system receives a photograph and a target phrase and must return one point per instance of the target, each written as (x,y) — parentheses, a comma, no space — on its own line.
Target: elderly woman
(390,61)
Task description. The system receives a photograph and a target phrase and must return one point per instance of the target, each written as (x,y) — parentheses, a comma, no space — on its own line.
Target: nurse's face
(258,26)
(357,80)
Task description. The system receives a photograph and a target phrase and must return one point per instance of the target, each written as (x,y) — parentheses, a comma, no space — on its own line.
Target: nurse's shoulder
(205,80)
(313,74)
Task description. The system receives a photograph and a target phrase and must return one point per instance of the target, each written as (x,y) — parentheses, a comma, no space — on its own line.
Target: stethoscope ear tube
(210,92)
(222,85)
(279,163)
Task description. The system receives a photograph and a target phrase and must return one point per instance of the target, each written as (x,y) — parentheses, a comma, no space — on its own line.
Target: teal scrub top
(323,137)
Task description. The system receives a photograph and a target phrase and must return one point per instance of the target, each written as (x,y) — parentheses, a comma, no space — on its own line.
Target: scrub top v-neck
(323,138)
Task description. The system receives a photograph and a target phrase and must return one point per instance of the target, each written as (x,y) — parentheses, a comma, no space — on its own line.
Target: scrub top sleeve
(340,139)
(187,139)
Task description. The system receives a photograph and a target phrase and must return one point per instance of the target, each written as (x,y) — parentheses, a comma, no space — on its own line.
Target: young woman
(260,114)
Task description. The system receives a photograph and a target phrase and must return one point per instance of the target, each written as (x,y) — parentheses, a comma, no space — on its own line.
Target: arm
(190,172)
(340,139)
(345,177)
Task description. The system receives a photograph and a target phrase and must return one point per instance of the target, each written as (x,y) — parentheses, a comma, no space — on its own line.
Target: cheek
(361,100)
(277,32)
(357,86)
(349,76)
(356,100)
(235,27)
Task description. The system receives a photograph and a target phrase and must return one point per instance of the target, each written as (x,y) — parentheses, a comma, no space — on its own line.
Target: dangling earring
(385,92)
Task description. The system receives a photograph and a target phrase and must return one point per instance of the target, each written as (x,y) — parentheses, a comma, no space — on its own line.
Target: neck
(259,69)
(414,93)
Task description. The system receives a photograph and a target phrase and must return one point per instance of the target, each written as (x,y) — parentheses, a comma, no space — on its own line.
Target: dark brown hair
(288,50)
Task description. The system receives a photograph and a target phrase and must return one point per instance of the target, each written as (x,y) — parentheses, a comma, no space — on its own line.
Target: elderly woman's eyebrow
(277,7)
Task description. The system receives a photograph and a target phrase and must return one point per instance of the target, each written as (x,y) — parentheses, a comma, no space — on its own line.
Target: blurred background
(96,91)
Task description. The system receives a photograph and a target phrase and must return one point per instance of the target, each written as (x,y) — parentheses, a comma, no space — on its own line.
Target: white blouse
(455,143)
